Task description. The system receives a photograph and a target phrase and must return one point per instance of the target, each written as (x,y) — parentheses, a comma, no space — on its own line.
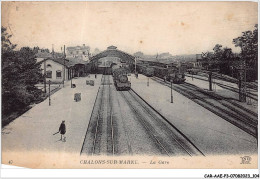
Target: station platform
(31,134)
(210,133)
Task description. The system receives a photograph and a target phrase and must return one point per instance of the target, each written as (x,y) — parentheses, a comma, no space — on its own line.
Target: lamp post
(135,65)
(45,91)
(232,71)
(242,81)
(147,81)
(171,92)
(49,92)
(64,71)
(71,82)
(44,80)
(210,81)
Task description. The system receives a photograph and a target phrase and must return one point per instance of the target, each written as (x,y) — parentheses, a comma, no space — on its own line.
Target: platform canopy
(112,51)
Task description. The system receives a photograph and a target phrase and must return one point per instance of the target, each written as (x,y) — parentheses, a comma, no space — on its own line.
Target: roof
(172,59)
(43,55)
(113,52)
(78,48)
(60,61)
(112,47)
(77,60)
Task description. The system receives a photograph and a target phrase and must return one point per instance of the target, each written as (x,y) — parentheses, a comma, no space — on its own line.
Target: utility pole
(242,81)
(71,83)
(64,67)
(210,81)
(52,51)
(49,92)
(44,63)
(147,81)
(71,76)
(135,64)
(171,92)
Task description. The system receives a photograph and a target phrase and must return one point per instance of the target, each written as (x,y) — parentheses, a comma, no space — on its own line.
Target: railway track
(110,125)
(227,103)
(249,94)
(169,140)
(251,85)
(100,136)
(246,122)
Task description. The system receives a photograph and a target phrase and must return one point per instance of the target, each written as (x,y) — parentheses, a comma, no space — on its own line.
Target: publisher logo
(245,160)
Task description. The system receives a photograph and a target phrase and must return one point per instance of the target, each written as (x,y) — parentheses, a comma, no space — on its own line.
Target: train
(120,78)
(145,70)
(173,74)
(193,71)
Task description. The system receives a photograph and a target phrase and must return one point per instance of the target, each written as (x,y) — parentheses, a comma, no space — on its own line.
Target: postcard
(130,85)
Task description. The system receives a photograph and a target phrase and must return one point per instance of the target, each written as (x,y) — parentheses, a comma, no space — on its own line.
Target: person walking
(62,130)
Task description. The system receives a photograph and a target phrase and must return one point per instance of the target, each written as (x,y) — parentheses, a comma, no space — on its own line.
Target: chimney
(64,51)
(52,50)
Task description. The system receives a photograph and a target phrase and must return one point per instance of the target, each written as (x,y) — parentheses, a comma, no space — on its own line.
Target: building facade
(78,51)
(103,61)
(57,70)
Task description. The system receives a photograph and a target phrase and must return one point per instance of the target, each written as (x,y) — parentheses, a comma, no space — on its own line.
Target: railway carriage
(171,74)
(193,71)
(149,72)
(176,77)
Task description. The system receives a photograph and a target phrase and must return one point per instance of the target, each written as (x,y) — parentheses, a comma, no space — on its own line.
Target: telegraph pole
(242,82)
(64,67)
(171,92)
(210,81)
(44,76)
(135,65)
(49,92)
(52,51)
(71,82)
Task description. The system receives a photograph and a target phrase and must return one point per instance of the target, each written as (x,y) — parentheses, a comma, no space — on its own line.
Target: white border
(18,172)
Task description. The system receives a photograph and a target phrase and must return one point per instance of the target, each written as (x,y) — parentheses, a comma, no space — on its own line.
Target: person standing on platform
(62,130)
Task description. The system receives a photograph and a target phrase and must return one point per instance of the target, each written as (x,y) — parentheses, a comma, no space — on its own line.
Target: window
(83,53)
(48,66)
(48,74)
(58,74)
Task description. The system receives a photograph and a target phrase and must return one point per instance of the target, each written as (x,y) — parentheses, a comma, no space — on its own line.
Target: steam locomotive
(120,78)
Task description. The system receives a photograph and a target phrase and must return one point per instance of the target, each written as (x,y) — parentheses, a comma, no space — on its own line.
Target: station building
(58,68)
(102,62)
(78,51)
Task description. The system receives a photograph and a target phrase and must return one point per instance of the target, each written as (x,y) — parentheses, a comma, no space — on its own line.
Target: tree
(220,58)
(248,43)
(20,73)
(96,51)
(7,46)
(138,54)
(37,49)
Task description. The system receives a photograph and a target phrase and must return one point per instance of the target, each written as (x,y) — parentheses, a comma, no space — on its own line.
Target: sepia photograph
(129,85)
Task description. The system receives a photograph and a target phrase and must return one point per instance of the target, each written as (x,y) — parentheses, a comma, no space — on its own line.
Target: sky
(150,27)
